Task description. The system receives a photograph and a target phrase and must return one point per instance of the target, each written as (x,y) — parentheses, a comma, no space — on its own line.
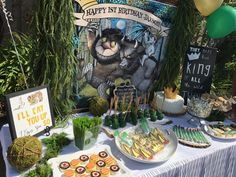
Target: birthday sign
(92,11)
(30,112)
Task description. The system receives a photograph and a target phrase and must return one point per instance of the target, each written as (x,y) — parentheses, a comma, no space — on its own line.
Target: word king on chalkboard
(197,71)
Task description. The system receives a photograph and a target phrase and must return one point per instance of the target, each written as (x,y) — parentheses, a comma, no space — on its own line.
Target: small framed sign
(30,112)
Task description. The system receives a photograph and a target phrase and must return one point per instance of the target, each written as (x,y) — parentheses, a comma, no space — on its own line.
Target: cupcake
(105,172)
(74,163)
(95,174)
(94,158)
(90,166)
(80,170)
(103,154)
(100,164)
(109,161)
(84,158)
(114,169)
(64,166)
(69,173)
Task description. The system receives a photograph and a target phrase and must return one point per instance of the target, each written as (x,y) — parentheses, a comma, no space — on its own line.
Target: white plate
(160,157)
(209,132)
(54,162)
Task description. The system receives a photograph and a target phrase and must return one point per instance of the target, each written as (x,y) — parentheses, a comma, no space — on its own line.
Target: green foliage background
(53,59)
(181,34)
(47,55)
(11,77)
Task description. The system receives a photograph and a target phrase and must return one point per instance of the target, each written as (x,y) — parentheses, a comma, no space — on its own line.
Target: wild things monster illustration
(115,56)
(106,51)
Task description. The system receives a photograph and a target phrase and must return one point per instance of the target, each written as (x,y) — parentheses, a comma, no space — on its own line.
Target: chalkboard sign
(197,71)
(125,91)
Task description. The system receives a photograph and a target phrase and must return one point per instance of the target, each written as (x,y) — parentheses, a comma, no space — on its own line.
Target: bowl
(199,107)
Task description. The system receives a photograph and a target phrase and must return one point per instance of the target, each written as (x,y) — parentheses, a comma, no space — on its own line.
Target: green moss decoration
(53,58)
(40,170)
(54,145)
(180,36)
(98,106)
(24,152)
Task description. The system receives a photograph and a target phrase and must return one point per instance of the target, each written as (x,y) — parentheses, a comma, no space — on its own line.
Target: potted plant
(86,131)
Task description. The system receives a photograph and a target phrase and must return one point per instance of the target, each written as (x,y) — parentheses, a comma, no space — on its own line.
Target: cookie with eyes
(103,154)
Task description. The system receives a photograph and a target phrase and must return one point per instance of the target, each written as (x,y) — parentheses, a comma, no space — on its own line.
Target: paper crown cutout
(194,56)
(86,3)
(170,93)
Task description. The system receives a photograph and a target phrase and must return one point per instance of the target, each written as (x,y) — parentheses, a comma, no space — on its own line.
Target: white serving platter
(54,162)
(160,157)
(209,132)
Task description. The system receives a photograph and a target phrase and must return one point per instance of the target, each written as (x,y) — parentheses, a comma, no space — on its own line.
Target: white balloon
(121,24)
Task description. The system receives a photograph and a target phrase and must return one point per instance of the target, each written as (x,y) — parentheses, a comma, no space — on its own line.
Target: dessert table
(218,160)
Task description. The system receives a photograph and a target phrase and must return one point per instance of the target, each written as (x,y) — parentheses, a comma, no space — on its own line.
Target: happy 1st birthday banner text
(99,11)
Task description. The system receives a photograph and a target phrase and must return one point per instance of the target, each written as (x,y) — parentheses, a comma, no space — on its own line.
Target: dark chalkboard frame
(189,79)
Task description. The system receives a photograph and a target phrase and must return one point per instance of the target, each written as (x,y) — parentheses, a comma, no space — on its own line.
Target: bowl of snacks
(199,107)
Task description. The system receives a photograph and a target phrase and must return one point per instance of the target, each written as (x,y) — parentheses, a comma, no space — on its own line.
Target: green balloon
(221,22)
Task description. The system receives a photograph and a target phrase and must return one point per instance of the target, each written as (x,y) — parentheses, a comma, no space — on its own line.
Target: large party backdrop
(121,41)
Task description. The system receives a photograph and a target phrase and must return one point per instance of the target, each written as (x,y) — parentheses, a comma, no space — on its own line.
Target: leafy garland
(53,58)
(180,37)
(54,145)
(11,77)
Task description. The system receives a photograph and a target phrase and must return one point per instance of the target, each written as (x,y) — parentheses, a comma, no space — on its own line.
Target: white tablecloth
(219,160)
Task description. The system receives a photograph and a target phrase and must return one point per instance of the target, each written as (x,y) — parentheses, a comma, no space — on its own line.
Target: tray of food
(221,130)
(192,137)
(95,162)
(156,147)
